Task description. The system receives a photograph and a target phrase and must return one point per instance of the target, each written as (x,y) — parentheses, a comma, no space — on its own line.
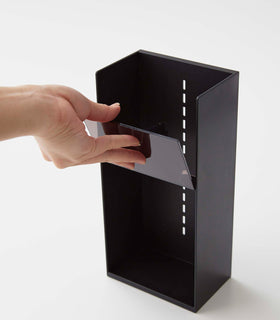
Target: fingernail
(115,104)
(136,143)
(142,161)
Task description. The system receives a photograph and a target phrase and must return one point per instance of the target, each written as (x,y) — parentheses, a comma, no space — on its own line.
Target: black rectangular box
(171,241)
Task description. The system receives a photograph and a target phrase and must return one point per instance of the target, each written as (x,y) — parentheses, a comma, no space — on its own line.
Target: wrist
(41,109)
(25,110)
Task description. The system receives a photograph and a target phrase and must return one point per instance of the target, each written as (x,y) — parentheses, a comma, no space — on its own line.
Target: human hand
(57,124)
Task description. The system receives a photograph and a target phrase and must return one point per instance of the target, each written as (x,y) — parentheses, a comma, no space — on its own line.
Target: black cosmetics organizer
(168,224)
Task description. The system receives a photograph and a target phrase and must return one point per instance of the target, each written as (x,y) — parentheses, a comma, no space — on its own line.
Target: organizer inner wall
(150,223)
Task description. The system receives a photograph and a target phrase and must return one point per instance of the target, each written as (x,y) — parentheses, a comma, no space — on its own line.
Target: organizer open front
(150,224)
(144,239)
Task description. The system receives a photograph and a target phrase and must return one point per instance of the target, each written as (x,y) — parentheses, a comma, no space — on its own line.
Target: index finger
(113,141)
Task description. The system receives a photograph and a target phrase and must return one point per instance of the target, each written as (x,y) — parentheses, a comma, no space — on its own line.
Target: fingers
(113,141)
(127,165)
(102,112)
(45,156)
(118,155)
(87,109)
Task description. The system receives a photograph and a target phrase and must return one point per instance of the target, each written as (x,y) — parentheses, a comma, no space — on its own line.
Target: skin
(54,115)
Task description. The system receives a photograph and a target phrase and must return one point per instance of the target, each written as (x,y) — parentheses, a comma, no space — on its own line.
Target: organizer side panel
(119,82)
(216,149)
(121,188)
(121,191)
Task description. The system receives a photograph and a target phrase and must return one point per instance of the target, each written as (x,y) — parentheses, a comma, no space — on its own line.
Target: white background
(52,257)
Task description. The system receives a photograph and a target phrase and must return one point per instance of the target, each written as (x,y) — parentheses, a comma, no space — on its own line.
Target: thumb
(103,112)
(85,108)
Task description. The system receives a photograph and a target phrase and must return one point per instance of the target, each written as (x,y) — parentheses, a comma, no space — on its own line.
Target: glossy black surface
(164,156)
(162,238)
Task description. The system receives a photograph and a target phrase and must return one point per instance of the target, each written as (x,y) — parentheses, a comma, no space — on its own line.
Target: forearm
(21,112)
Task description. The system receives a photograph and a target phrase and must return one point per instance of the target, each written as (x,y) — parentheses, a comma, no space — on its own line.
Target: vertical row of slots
(184,151)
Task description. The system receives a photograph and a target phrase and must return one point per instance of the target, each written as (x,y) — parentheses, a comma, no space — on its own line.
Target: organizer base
(165,277)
